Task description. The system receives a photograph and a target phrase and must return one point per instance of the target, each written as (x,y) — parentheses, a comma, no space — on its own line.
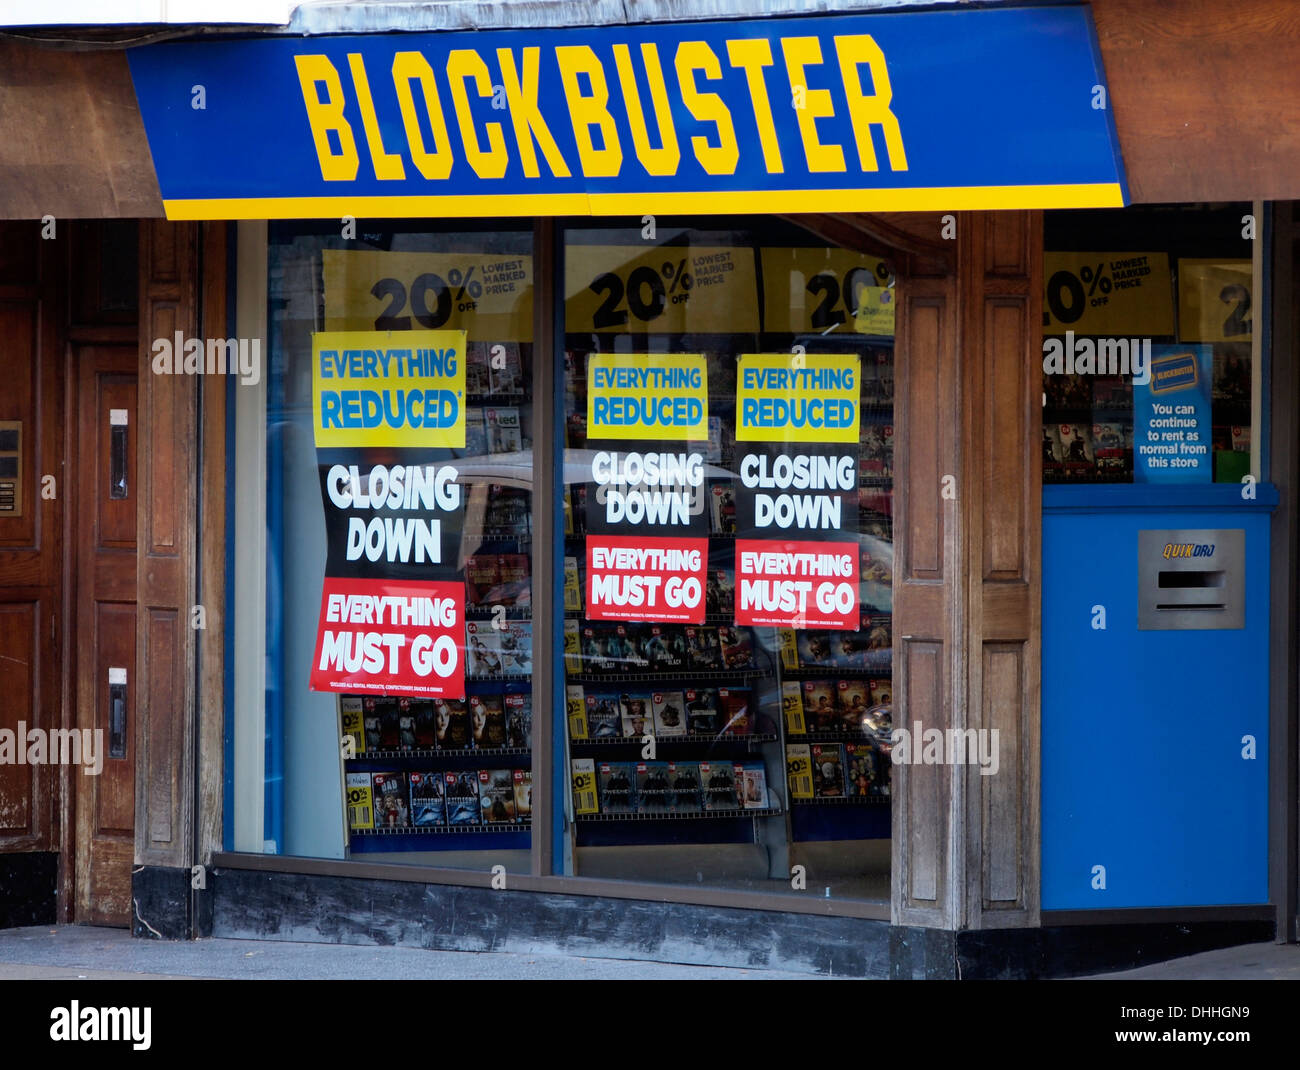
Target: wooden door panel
(21,563)
(114,787)
(20,785)
(31,544)
(104,532)
(115,524)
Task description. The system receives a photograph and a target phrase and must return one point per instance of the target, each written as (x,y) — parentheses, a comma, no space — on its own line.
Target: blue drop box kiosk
(1150,794)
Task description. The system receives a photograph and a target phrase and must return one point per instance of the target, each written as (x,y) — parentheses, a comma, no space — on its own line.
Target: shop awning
(903,111)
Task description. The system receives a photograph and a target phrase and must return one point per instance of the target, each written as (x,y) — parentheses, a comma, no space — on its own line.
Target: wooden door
(103,634)
(31,559)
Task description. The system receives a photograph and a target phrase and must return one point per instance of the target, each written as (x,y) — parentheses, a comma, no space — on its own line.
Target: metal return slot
(1191,579)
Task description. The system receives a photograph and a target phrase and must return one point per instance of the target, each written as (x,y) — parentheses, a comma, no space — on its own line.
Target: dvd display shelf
(688,739)
(642,677)
(443,830)
(405,753)
(830,735)
(734,814)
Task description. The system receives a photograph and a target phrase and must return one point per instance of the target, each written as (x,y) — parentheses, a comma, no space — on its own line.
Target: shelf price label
(664,289)
(1107,294)
(1214,300)
(819,290)
(487,295)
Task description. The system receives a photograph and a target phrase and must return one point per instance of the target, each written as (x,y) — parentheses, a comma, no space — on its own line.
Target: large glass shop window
(399,474)
(728,401)
(1148,336)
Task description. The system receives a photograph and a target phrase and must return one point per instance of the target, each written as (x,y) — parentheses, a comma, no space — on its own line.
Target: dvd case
(516,640)
(635,713)
(669,711)
(702,711)
(461,790)
(684,782)
(652,788)
(519,720)
(523,784)
(604,715)
(496,794)
(428,801)
(828,770)
(487,721)
(819,712)
(452,729)
(617,794)
(389,792)
(483,645)
(735,708)
(718,780)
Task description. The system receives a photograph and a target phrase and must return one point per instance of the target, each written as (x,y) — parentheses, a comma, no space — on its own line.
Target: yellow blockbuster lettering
(435,164)
(707,107)
(388,165)
(751,55)
(663,160)
(326,115)
(521,98)
(588,111)
(464,64)
(864,110)
(801,52)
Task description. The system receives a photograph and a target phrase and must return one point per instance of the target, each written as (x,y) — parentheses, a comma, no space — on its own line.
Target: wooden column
(967,575)
(164,721)
(927,604)
(214,251)
(1000,258)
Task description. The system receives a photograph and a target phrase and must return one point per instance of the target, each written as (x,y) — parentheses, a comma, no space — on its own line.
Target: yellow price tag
(626,289)
(812,290)
(1214,300)
(488,296)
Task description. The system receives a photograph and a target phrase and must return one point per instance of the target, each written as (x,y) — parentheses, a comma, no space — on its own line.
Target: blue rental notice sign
(919,111)
(1171,417)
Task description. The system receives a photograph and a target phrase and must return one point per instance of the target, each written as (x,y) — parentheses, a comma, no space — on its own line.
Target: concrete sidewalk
(1247,962)
(76,951)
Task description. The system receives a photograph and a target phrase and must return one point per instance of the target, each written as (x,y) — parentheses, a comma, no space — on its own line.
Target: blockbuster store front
(602,530)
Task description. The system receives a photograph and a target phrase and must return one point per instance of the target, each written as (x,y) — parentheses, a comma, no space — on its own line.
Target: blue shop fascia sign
(923,111)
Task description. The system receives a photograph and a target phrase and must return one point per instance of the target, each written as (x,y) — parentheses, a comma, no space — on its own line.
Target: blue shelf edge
(1159,497)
